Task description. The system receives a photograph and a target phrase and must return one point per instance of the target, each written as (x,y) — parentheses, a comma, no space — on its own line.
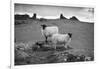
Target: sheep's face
(70,35)
(43,26)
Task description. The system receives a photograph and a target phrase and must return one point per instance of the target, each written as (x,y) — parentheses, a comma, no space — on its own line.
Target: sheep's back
(51,30)
(60,37)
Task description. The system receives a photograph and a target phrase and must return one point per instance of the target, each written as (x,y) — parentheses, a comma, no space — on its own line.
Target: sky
(85,14)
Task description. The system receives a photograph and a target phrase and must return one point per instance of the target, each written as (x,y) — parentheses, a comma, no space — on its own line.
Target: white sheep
(61,38)
(48,31)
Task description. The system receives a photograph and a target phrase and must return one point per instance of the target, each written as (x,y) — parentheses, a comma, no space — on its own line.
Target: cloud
(86,14)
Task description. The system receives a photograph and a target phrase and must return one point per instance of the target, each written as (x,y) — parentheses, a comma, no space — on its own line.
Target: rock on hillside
(34,16)
(74,18)
(62,16)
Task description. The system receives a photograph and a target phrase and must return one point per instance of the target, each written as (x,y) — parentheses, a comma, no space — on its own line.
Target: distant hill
(74,18)
(21,17)
(43,19)
(34,17)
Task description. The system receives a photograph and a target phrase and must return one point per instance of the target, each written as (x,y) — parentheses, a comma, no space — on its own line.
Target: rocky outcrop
(62,16)
(34,16)
(74,18)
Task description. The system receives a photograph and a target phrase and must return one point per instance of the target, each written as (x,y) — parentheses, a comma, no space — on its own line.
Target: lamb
(48,31)
(61,38)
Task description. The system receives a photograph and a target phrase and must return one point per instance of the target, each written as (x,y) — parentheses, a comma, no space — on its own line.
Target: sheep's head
(43,26)
(70,35)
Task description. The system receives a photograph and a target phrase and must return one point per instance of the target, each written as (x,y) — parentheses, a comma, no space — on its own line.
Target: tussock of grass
(40,53)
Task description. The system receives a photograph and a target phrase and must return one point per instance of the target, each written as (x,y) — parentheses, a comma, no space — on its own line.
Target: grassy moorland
(28,32)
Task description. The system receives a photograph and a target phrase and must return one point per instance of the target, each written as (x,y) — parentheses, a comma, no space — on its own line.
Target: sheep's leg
(55,46)
(55,43)
(65,45)
(46,39)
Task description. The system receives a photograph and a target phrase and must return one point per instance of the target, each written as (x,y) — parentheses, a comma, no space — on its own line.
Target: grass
(27,34)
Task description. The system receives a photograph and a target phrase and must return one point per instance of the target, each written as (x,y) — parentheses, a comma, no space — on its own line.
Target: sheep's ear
(70,35)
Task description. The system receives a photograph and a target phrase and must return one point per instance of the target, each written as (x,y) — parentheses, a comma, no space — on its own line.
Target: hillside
(82,33)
